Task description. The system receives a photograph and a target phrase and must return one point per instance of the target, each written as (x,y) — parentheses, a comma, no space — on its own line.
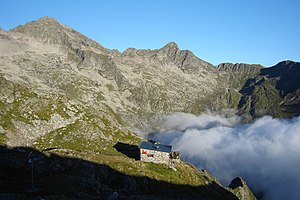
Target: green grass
(88,134)
(68,137)
(50,105)
(2,138)
(185,174)
(11,110)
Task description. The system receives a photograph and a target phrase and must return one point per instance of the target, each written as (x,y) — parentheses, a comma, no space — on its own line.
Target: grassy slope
(91,137)
(260,97)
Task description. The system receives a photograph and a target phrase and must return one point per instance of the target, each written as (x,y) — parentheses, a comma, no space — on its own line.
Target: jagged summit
(170,54)
(45,29)
(49,30)
(47,18)
(45,23)
(185,59)
(170,45)
(169,50)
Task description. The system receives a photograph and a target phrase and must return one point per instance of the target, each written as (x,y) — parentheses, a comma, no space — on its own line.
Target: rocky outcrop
(241,189)
(184,59)
(240,68)
(25,134)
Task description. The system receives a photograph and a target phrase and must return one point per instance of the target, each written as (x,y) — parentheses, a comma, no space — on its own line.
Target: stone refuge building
(156,152)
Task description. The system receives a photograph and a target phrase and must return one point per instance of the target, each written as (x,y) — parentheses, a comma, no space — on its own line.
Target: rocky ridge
(125,82)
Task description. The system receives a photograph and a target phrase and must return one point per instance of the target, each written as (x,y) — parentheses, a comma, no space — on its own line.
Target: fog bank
(265,153)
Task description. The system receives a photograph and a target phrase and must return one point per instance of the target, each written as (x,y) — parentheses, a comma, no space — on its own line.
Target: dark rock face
(275,91)
(237,182)
(240,188)
(286,74)
(239,68)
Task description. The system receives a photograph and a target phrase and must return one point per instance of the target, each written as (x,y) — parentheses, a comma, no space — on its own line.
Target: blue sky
(253,31)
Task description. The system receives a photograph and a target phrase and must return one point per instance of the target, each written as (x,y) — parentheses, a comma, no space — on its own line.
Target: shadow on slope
(58,177)
(286,75)
(131,151)
(275,91)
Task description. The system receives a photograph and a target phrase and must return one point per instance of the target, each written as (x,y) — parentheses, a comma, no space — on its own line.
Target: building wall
(155,156)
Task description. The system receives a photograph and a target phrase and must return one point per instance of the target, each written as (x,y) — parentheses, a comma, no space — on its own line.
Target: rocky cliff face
(240,68)
(184,59)
(274,91)
(62,90)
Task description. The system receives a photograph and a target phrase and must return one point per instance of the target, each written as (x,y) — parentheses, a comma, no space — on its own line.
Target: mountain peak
(48,21)
(45,29)
(184,59)
(47,18)
(170,46)
(44,23)
(169,50)
(49,30)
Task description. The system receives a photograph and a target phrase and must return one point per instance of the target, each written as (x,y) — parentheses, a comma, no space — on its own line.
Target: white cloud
(265,153)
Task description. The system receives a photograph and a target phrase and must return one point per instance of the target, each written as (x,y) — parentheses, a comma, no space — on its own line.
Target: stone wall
(155,156)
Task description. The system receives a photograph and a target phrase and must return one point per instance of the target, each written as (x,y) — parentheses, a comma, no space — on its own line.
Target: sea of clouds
(266,153)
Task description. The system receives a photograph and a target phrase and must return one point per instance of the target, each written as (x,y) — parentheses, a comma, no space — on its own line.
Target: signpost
(31,159)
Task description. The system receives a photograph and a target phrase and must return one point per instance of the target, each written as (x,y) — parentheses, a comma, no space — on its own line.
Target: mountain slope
(159,81)
(274,91)
(64,93)
(64,176)
(236,76)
